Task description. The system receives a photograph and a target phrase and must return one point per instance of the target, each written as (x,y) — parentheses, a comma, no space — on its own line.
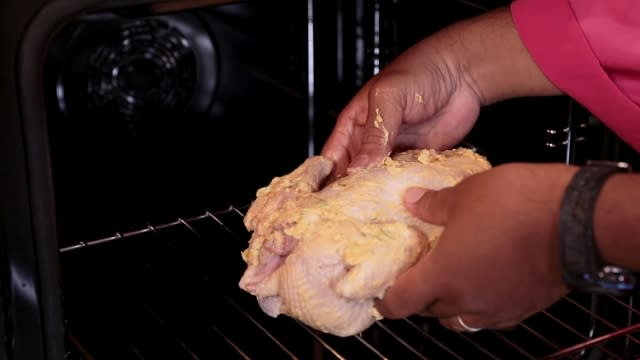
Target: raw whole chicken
(323,254)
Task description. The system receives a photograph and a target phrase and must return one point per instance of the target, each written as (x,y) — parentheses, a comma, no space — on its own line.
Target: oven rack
(578,326)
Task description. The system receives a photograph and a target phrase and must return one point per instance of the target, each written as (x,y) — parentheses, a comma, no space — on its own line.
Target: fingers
(428,205)
(471,323)
(366,128)
(461,323)
(417,289)
(384,117)
(412,291)
(343,138)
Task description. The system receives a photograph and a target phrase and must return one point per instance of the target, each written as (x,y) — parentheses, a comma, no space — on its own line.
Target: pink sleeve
(590,49)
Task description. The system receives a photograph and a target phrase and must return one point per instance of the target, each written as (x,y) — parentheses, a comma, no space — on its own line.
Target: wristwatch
(582,266)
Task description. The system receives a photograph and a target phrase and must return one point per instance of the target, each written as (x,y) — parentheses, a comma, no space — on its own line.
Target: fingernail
(361,160)
(414,194)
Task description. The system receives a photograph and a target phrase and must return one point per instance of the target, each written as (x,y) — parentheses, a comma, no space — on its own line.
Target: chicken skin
(322,253)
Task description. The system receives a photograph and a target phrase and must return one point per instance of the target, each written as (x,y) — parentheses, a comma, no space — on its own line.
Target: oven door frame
(31,321)
(31,313)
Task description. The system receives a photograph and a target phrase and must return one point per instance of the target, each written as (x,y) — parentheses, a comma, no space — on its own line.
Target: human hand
(419,100)
(430,96)
(496,262)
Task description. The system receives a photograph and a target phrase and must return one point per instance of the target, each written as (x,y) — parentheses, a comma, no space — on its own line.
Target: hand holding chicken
(323,255)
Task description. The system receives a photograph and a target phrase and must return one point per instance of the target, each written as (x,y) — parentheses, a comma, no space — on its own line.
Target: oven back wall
(159,116)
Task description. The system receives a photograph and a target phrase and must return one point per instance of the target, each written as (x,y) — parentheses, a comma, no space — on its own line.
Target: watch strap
(583,268)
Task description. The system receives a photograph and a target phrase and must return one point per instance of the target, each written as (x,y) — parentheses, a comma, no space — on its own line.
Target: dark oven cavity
(160,122)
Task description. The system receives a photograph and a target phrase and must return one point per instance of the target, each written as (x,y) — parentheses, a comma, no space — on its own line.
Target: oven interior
(163,124)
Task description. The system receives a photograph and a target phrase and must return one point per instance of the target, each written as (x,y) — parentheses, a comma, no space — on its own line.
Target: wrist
(584,266)
(494,61)
(615,220)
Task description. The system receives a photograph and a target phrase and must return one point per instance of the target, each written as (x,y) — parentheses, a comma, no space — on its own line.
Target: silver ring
(465,326)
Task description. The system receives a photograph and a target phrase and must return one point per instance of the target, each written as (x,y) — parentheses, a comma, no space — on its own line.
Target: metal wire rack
(170,291)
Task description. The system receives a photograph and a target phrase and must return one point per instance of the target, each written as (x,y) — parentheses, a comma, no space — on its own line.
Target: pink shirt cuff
(557,43)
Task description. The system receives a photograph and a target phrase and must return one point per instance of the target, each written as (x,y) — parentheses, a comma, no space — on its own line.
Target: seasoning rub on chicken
(323,255)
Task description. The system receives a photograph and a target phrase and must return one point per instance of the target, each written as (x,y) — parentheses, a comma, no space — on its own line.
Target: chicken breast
(322,255)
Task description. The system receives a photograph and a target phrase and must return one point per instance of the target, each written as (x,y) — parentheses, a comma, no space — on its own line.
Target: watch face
(610,280)
(618,279)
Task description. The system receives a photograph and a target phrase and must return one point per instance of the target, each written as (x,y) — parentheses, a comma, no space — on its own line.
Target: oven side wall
(23,318)
(31,300)
(30,277)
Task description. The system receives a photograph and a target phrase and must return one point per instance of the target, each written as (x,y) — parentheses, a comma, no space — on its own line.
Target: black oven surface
(158,292)
(136,135)
(160,113)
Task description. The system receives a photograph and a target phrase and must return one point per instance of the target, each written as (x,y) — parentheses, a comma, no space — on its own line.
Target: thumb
(417,288)
(430,206)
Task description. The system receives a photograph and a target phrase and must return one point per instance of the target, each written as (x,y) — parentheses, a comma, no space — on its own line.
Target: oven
(135,134)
